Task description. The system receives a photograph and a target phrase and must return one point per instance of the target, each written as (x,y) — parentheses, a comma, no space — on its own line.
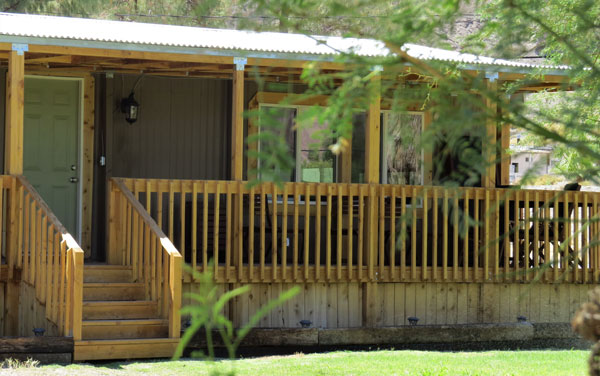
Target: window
(402,157)
(314,162)
(515,168)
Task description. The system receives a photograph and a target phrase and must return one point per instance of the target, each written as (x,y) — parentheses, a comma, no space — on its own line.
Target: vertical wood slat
(403,233)
(526,250)
(381,231)
(361,231)
(49,270)
(517,228)
(536,231)
(239,247)
(556,253)
(44,248)
(413,237)
(594,238)
(32,242)
(61,288)
(497,237)
(564,258)
(20,251)
(182,221)
(307,231)
(435,235)
(228,232)
(393,232)
(350,232)
(424,275)
(576,234)
(251,229)
(205,199)
(339,221)
(57,275)
(445,237)
(296,230)
(476,229)
(455,195)
(274,229)
(328,236)
(217,205)
(318,233)
(194,229)
(284,233)
(547,232)
(585,237)
(487,241)
(466,237)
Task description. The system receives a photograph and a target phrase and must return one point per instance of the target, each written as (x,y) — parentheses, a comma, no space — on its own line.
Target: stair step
(107,273)
(124,329)
(113,291)
(123,309)
(124,349)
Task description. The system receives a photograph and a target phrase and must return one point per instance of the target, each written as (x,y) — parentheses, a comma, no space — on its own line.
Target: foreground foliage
(548,362)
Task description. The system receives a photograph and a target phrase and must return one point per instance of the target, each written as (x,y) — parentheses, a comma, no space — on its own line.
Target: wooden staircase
(118,321)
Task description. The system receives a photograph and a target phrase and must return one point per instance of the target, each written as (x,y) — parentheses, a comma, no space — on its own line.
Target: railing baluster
(239,247)
(424,248)
(274,225)
(381,232)
(455,250)
(263,225)
(194,229)
(228,232)
(328,235)
(49,271)
(307,231)
(57,273)
(284,235)
(575,256)
(340,204)
(171,209)
(61,298)
(476,236)
(487,240)
(318,233)
(497,237)
(526,250)
(251,230)
(296,219)
(205,228)
(182,195)
(393,232)
(413,237)
(466,237)
(44,259)
(585,237)
(361,231)
(536,233)
(349,231)
(434,247)
(32,242)
(217,204)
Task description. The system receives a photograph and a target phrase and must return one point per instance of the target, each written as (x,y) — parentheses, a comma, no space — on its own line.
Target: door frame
(80,121)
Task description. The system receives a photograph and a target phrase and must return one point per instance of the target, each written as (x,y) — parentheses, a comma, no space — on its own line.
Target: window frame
(298,167)
(384,135)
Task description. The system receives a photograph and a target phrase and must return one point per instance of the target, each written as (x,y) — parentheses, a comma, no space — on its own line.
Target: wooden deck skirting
(317,232)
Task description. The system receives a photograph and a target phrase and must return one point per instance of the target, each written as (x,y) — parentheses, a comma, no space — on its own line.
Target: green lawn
(537,363)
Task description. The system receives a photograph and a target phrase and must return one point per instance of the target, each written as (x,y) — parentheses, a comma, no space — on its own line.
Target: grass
(424,363)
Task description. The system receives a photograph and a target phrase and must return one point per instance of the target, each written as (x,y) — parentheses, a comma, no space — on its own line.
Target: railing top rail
(187,184)
(137,206)
(58,226)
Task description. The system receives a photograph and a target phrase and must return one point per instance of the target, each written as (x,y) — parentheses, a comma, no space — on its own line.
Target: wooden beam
(15,101)
(87,163)
(372,135)
(237,126)
(489,141)
(65,59)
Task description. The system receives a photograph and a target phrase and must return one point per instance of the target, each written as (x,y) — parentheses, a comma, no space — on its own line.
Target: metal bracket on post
(491,76)
(240,63)
(20,48)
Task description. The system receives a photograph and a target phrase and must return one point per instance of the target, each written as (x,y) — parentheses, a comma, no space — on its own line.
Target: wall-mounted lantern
(130,108)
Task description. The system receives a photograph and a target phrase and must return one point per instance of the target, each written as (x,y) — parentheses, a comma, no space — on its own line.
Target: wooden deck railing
(49,258)
(143,245)
(355,232)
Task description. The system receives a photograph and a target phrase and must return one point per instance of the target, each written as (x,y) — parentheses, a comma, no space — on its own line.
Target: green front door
(51,145)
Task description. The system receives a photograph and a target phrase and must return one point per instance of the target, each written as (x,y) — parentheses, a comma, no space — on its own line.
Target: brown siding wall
(182,131)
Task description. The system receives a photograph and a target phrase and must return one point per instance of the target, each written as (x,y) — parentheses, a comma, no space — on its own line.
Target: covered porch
(172,188)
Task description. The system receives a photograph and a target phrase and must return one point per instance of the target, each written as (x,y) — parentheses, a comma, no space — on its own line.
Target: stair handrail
(58,279)
(162,279)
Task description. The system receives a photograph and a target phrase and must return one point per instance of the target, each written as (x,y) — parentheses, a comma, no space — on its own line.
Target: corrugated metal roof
(144,34)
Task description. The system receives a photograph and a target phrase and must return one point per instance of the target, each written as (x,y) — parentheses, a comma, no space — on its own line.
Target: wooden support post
(489,142)
(15,101)
(13,164)
(175,296)
(490,160)
(87,163)
(77,293)
(372,156)
(237,156)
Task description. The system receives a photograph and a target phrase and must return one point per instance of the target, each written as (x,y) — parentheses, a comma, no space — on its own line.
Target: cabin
(147,169)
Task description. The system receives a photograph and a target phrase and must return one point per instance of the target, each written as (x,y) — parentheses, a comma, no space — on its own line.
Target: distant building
(535,161)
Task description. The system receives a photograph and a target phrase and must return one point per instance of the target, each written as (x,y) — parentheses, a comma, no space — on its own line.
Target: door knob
(73,180)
